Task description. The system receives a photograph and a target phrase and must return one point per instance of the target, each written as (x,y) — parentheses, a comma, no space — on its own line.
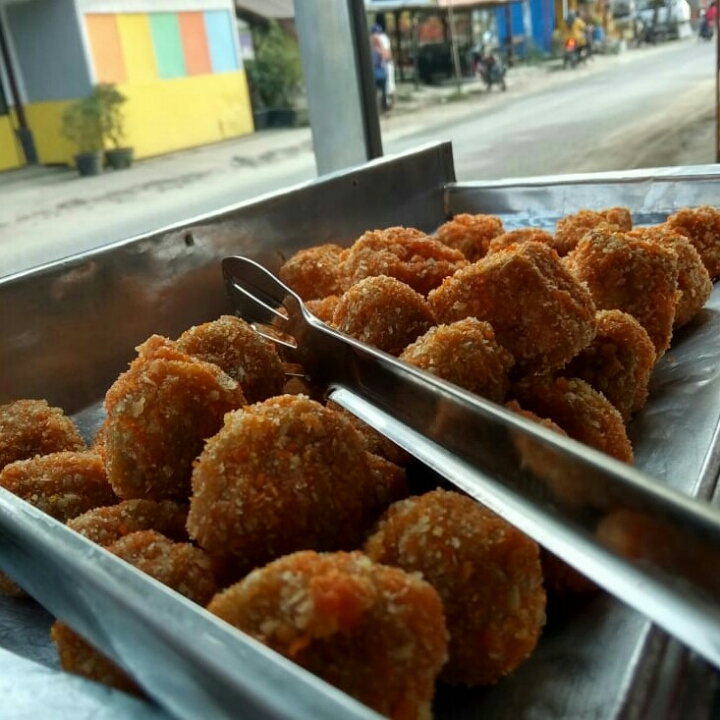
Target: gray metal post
(342,98)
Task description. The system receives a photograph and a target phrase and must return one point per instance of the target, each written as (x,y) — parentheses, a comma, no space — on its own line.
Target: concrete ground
(48,213)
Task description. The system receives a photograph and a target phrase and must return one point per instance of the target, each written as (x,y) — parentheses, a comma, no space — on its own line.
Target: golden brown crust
(521,235)
(313,273)
(582,412)
(701,225)
(486,572)
(618,362)
(32,427)
(159,414)
(324,308)
(232,345)
(572,228)
(630,274)
(375,632)
(538,311)
(470,234)
(106,525)
(466,353)
(281,476)
(694,284)
(403,253)
(383,312)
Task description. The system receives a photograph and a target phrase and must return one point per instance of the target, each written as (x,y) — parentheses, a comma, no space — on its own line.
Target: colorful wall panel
(223,52)
(169,52)
(106,49)
(137,47)
(195,43)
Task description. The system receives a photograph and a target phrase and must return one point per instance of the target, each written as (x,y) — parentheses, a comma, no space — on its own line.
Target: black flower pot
(89,163)
(119,158)
(261,118)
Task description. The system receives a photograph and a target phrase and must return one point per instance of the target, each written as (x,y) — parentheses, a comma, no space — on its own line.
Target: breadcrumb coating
(540,313)
(403,253)
(375,632)
(383,312)
(32,427)
(465,353)
(470,234)
(701,225)
(485,570)
(313,272)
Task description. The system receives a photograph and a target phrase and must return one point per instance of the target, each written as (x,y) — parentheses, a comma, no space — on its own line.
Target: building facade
(177,61)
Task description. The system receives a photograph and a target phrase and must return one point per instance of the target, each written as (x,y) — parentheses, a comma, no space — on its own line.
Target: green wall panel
(168,45)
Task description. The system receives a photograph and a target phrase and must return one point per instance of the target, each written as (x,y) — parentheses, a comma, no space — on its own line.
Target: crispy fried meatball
(383,312)
(63,485)
(106,525)
(515,237)
(572,228)
(539,312)
(323,309)
(465,353)
(486,572)
(701,225)
(619,216)
(582,412)
(180,566)
(390,482)
(630,274)
(470,234)
(375,632)
(694,284)
(403,253)
(232,345)
(313,273)
(618,362)
(159,414)
(283,475)
(32,427)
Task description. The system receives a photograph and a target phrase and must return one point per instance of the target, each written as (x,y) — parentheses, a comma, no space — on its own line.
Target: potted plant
(112,121)
(81,125)
(274,76)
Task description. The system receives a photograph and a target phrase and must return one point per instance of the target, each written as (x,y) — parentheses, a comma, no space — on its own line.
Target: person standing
(379,62)
(389,65)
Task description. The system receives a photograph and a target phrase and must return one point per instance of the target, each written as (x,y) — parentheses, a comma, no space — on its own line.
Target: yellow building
(177,62)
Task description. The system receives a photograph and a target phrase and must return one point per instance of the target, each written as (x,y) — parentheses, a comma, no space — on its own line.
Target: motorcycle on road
(489,67)
(573,53)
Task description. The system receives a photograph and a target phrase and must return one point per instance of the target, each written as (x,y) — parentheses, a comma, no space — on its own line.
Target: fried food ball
(515,237)
(539,312)
(618,362)
(63,485)
(159,414)
(375,632)
(694,284)
(465,353)
(572,228)
(389,480)
(313,273)
(701,225)
(283,475)
(323,309)
(32,427)
(585,414)
(485,570)
(566,485)
(383,312)
(106,525)
(403,253)
(470,234)
(373,441)
(180,566)
(232,345)
(630,274)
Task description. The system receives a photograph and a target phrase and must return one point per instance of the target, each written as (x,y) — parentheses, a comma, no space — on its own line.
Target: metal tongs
(652,547)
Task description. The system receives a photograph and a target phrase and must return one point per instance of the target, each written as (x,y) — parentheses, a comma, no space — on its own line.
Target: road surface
(616,113)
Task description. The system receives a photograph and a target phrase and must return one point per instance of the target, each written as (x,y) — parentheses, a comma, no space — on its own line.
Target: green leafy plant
(276,73)
(82,124)
(112,120)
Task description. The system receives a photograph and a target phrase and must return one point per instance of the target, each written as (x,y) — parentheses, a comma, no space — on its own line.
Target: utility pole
(454,45)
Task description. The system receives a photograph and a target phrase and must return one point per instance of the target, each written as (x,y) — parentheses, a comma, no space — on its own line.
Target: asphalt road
(605,116)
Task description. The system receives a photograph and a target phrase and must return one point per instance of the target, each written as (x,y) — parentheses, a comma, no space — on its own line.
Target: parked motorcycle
(489,67)
(706,31)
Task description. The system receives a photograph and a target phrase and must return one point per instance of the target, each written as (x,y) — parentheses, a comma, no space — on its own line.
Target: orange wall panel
(195,43)
(106,49)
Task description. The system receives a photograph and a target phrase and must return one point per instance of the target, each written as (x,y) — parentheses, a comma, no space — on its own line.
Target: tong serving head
(516,467)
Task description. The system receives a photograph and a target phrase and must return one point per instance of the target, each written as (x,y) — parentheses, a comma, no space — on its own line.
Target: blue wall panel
(223,54)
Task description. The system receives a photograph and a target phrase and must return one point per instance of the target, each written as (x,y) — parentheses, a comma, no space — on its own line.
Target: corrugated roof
(275,9)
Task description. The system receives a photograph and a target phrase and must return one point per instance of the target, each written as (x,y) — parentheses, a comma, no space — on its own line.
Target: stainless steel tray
(68,329)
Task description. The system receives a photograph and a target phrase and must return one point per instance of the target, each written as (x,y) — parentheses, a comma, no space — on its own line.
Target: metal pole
(455,53)
(342,96)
